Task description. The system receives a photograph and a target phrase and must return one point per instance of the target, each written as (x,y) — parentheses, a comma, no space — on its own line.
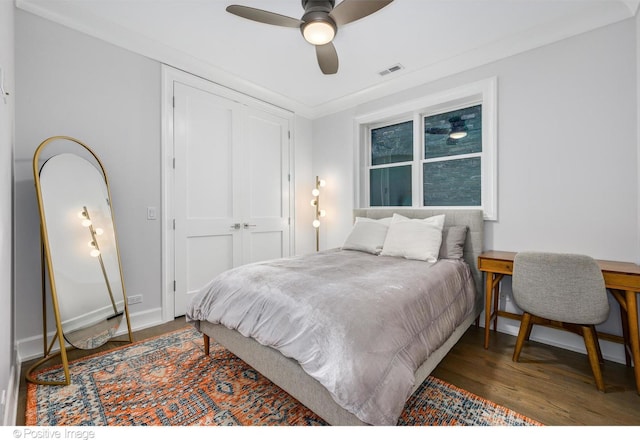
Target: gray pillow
(453,238)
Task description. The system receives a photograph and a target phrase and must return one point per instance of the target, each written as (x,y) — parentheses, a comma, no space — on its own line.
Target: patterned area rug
(168,381)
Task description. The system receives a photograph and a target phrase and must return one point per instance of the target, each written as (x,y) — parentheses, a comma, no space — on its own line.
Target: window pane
(392,144)
(453,183)
(390,186)
(438,128)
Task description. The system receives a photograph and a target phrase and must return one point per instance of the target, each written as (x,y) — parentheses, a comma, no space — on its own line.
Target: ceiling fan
(319,23)
(458,129)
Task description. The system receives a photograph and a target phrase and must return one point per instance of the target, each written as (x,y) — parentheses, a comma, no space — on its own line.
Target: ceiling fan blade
(327,58)
(352,10)
(263,16)
(438,130)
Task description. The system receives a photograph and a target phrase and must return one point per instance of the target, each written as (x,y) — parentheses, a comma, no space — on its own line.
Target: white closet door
(265,194)
(232,197)
(207,212)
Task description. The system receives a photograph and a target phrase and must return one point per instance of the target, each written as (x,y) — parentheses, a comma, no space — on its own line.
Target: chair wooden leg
(593,347)
(529,328)
(525,329)
(598,349)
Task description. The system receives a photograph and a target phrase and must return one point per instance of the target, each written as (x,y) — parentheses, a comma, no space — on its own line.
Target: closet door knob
(247,226)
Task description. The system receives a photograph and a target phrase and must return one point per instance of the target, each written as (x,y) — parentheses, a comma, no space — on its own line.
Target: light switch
(152,213)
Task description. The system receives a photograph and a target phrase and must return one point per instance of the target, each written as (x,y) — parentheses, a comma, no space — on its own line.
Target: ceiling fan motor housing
(318,11)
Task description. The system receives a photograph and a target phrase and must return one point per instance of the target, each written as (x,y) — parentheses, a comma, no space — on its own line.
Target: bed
(354,370)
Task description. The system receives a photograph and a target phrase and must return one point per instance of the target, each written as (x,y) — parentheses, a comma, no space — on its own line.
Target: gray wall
(567,152)
(8,368)
(305,238)
(74,85)
(567,147)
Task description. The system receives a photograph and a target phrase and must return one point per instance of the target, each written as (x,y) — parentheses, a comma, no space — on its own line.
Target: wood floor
(550,385)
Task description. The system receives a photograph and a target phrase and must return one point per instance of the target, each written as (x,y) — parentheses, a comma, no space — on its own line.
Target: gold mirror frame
(47,260)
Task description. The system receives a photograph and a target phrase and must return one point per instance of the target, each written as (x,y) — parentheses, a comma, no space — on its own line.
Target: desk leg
(491,295)
(634,338)
(488,301)
(624,319)
(496,298)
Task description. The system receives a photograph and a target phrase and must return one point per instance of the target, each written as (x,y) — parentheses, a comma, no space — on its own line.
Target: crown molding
(524,41)
(111,33)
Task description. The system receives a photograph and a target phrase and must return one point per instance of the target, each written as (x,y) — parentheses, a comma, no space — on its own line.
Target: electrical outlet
(135,299)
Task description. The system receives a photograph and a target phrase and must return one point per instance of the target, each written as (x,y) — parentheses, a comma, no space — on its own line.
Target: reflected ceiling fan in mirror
(319,23)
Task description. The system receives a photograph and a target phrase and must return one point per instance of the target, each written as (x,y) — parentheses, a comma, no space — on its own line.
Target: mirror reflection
(83,256)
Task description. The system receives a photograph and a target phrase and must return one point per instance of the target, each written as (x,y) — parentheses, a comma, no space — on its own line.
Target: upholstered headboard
(473,218)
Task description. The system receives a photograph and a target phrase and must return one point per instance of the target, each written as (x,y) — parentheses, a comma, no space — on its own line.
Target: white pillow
(367,235)
(414,239)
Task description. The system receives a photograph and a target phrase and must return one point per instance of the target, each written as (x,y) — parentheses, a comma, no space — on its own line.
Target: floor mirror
(80,259)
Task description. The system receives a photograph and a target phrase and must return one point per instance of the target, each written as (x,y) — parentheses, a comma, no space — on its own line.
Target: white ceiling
(430,38)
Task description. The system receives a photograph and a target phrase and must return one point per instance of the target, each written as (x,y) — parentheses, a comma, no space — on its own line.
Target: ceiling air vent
(391,69)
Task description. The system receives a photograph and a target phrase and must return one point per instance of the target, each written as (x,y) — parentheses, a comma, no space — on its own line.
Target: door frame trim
(169,75)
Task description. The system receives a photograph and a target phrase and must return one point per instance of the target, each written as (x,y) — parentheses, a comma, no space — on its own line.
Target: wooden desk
(621,279)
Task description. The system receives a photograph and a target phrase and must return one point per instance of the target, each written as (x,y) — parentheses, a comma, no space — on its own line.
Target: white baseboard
(11,399)
(32,347)
(562,339)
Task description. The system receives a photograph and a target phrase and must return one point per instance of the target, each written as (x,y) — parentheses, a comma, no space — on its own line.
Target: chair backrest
(562,287)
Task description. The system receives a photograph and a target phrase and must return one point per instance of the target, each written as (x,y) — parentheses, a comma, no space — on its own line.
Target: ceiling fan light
(319,32)
(457,134)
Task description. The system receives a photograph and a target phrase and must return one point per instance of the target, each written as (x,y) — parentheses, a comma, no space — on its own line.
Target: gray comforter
(360,324)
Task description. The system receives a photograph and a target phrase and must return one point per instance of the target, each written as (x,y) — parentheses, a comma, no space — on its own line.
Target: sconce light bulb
(86,222)
(323,213)
(322,183)
(94,253)
(316,223)
(81,214)
(315,192)
(91,244)
(99,231)
(314,202)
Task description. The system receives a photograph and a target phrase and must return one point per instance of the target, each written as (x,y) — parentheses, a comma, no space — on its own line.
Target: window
(391,161)
(438,151)
(452,163)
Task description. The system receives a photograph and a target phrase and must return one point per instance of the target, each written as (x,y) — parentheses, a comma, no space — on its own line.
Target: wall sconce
(315,202)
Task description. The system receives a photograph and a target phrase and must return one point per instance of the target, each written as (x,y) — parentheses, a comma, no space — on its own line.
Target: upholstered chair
(561,290)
